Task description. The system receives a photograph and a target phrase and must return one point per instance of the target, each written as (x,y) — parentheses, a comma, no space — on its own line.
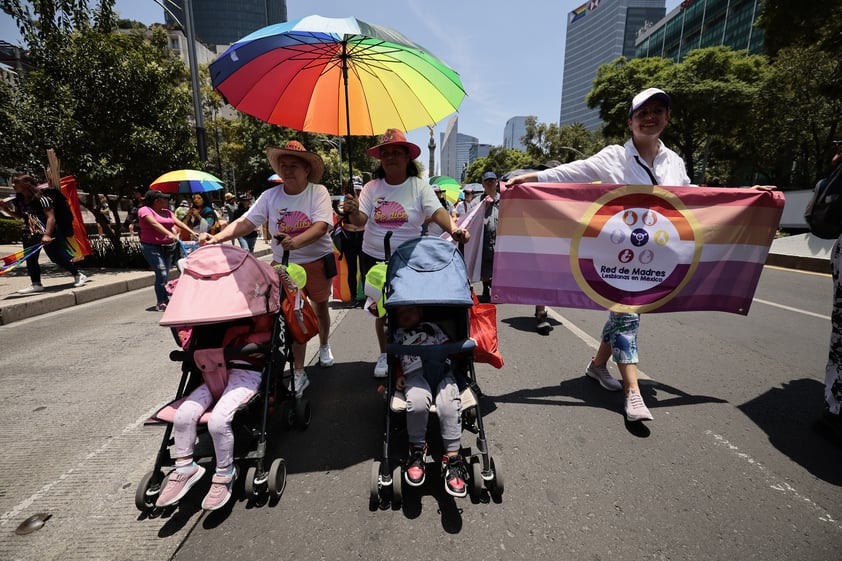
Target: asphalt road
(731,468)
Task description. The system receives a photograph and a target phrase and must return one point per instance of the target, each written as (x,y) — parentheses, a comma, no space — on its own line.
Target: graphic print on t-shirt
(390,214)
(292,222)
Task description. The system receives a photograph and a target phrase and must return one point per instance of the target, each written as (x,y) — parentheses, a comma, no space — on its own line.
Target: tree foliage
(735,116)
(114,106)
(792,23)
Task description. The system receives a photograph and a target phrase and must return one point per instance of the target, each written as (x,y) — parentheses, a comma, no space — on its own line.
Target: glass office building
(598,32)
(697,24)
(222,22)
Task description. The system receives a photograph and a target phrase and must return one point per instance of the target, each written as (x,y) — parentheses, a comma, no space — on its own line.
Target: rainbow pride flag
(13,260)
(633,248)
(578,13)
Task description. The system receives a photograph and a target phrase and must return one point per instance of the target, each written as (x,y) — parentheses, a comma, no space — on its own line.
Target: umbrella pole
(347,114)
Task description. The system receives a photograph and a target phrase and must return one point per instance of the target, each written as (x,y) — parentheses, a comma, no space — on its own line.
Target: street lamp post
(338,145)
(201,143)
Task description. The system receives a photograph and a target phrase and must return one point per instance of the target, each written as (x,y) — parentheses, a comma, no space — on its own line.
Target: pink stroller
(226,307)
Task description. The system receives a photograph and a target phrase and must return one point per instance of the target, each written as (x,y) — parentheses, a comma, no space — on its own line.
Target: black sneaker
(415,466)
(542,323)
(455,475)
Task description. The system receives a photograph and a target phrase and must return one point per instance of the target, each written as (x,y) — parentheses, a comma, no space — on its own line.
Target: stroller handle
(229,352)
(432,352)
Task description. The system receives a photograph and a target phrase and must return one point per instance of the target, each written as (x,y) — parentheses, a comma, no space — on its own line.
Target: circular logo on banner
(636,248)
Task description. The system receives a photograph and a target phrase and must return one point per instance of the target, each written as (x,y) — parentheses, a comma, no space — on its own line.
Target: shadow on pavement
(587,393)
(788,415)
(526,323)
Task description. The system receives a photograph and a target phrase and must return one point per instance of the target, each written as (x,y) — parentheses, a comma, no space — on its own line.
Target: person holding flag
(644,159)
(37,211)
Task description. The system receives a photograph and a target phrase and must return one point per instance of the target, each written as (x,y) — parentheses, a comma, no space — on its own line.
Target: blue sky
(510,56)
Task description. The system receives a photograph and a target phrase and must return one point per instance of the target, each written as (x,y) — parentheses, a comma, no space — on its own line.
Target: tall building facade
(696,24)
(599,31)
(457,150)
(514,131)
(222,22)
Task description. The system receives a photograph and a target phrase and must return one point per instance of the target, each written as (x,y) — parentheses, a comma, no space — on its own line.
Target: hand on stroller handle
(432,351)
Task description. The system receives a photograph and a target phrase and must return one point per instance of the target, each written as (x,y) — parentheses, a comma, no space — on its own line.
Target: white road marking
(26,503)
(774,482)
(790,309)
(587,339)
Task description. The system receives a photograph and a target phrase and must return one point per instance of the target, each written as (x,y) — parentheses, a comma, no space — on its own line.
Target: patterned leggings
(833,371)
(620,331)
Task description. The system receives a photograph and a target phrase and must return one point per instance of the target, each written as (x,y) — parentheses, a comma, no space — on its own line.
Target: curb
(811,264)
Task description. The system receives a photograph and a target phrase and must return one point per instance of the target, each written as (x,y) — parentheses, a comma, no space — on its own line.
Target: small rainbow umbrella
(449,186)
(187,181)
(275,178)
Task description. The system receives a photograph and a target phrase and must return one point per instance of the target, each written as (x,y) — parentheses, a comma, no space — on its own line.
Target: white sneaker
(636,410)
(31,288)
(300,382)
(381,370)
(81,279)
(601,375)
(325,356)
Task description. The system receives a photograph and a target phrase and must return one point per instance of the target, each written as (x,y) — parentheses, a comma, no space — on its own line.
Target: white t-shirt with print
(400,209)
(292,215)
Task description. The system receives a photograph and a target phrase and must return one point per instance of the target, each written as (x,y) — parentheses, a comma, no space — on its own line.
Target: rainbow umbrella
(275,178)
(338,76)
(449,186)
(186,181)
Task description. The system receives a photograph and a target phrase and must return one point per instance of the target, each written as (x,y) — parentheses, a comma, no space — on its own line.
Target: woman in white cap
(396,201)
(299,215)
(642,160)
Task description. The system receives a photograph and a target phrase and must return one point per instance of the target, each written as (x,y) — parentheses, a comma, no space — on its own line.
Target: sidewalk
(802,252)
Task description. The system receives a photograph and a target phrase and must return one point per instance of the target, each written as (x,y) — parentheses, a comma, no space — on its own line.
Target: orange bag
(299,314)
(483,327)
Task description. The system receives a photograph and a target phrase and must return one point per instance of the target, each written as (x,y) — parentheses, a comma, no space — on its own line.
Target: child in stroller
(243,381)
(226,314)
(429,336)
(418,383)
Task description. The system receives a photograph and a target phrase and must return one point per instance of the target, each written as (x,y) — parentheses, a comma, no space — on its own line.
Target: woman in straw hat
(299,215)
(396,201)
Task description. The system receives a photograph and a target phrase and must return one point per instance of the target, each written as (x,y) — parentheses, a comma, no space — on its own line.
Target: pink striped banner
(633,248)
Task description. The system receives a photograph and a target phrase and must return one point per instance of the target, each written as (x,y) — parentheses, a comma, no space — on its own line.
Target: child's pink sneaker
(220,491)
(177,486)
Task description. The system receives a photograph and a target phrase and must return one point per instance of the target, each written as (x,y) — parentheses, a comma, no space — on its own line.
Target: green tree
(499,160)
(713,92)
(791,23)
(546,142)
(115,107)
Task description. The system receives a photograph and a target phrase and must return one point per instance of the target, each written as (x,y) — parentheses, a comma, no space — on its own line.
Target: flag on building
(577,14)
(633,248)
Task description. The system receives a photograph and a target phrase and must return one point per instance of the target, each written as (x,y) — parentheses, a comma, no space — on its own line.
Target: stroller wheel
(495,485)
(476,478)
(250,484)
(303,413)
(148,490)
(397,481)
(287,413)
(374,484)
(277,478)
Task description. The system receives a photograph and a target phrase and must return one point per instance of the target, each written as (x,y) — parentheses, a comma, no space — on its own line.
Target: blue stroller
(430,272)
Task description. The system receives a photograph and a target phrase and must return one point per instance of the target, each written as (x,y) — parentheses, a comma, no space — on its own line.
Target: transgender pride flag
(633,248)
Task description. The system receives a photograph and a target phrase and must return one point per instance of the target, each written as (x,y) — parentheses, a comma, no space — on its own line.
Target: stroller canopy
(427,271)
